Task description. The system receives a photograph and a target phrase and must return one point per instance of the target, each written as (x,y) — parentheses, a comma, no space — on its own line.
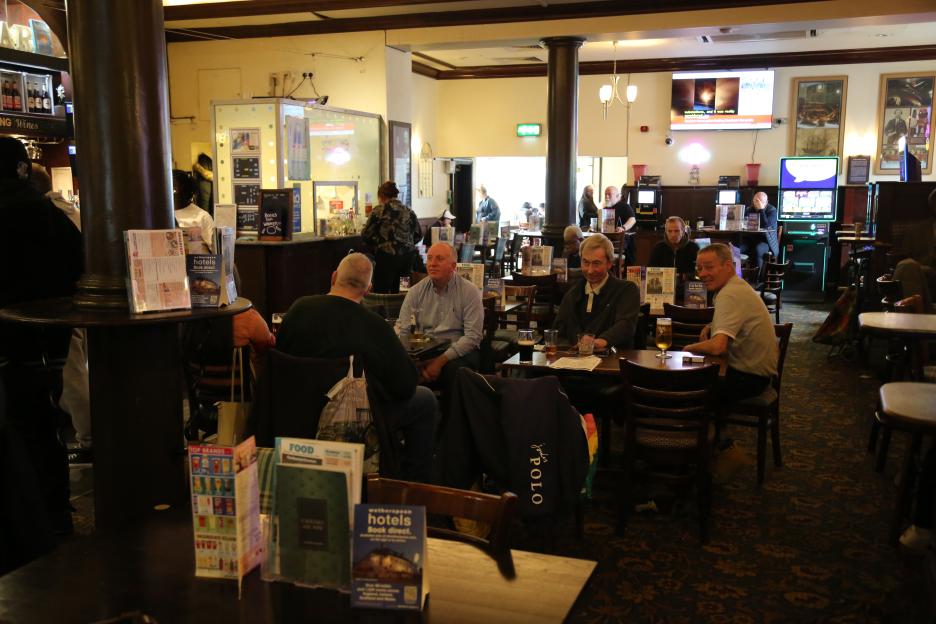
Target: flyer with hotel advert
(388,557)
(225,509)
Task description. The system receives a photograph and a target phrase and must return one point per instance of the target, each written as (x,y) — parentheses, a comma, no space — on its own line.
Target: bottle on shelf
(46,101)
(17,98)
(7,98)
(30,99)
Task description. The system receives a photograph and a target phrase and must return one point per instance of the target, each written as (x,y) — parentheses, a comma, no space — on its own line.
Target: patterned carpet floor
(809,546)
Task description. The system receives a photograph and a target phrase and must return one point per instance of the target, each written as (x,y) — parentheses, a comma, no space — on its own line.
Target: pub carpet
(809,546)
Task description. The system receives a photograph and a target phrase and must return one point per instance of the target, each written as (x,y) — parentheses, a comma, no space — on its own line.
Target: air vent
(783,35)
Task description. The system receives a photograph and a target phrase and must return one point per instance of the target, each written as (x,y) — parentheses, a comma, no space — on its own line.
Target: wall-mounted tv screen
(646,197)
(728,100)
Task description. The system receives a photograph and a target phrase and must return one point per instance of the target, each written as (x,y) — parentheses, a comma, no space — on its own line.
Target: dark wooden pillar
(118,64)
(562,134)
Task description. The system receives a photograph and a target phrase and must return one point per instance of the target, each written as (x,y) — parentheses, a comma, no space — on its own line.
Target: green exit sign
(529,130)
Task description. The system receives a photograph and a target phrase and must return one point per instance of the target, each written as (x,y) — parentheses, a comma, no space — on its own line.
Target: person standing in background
(488,210)
(76,391)
(203,172)
(587,209)
(392,231)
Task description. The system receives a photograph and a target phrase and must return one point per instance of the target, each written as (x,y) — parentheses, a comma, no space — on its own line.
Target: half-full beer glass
(664,337)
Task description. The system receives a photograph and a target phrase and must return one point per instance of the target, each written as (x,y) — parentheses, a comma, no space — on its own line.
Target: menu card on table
(389,557)
(661,287)
(156,279)
(225,510)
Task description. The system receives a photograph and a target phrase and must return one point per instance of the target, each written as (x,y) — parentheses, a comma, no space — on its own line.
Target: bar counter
(273,274)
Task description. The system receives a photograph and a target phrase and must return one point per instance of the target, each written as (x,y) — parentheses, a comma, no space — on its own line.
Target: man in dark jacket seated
(675,250)
(600,304)
(337,325)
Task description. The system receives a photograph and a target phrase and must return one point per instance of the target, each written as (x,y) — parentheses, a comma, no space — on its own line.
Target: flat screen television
(730,196)
(808,188)
(725,100)
(645,196)
(910,167)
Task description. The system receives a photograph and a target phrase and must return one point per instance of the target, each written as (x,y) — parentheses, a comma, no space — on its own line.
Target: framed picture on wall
(401,159)
(818,122)
(905,109)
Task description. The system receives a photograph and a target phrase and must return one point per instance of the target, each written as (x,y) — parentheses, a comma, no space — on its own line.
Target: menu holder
(276,215)
(156,277)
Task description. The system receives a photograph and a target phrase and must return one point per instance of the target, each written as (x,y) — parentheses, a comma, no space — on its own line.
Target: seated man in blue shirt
(449,308)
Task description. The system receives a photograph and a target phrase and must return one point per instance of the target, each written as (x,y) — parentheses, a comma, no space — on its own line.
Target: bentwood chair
(687,323)
(669,426)
(619,242)
(771,288)
(547,297)
(494,265)
(496,511)
(763,411)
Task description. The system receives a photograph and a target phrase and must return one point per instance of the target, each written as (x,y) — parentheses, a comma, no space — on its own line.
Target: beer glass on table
(551,343)
(664,337)
(525,344)
(586,344)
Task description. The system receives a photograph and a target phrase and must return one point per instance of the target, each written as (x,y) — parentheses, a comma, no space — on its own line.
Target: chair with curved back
(386,305)
(496,511)
(771,287)
(668,423)
(494,265)
(619,242)
(687,323)
(547,297)
(763,411)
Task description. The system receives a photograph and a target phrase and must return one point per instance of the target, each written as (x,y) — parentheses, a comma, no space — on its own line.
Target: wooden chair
(763,411)
(504,343)
(619,241)
(513,254)
(687,323)
(771,288)
(908,360)
(669,422)
(386,305)
(547,297)
(890,290)
(496,511)
(493,350)
(493,266)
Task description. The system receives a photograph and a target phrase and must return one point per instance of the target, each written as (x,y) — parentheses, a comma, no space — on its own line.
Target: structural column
(117,51)
(562,134)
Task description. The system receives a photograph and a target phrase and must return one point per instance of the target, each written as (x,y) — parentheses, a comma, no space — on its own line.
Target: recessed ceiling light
(882,35)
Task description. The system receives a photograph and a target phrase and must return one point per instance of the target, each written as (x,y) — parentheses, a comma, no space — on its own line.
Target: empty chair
(771,288)
(496,511)
(547,297)
(668,423)
(619,241)
(466,253)
(763,410)
(386,305)
(493,266)
(890,290)
(512,255)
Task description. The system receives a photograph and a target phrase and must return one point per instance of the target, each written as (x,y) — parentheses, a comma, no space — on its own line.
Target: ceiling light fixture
(608,93)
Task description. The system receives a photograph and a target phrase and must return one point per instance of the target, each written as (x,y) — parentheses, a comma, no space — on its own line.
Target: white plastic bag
(347,417)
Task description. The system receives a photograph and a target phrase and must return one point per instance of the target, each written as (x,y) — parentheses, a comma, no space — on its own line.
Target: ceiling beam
(704,63)
(600,8)
(272,7)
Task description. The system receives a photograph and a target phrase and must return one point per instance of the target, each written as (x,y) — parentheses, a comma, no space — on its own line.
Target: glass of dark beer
(525,344)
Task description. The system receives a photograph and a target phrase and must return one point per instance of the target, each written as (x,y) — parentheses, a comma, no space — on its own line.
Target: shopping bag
(835,329)
(232,415)
(347,417)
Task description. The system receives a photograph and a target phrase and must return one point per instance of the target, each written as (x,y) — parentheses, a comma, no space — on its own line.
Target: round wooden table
(898,324)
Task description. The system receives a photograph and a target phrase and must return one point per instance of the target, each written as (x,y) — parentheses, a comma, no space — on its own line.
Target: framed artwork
(401,157)
(42,37)
(905,109)
(818,123)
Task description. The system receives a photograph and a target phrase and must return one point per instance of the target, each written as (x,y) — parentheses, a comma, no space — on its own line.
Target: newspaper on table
(156,275)
(586,363)
(661,287)
(537,260)
(638,275)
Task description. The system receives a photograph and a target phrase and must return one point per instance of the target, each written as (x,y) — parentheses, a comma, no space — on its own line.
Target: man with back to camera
(447,307)
(40,258)
(741,332)
(600,304)
(488,210)
(586,209)
(767,215)
(675,250)
(337,325)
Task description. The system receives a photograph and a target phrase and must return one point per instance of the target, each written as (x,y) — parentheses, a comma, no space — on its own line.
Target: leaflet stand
(649,203)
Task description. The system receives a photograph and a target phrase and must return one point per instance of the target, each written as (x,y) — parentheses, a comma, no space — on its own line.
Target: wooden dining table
(149,568)
(898,324)
(609,365)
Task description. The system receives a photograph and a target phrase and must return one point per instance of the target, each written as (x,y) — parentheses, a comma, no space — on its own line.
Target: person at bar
(759,244)
(741,332)
(675,250)
(392,230)
(445,220)
(587,209)
(447,307)
(187,213)
(601,304)
(337,325)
